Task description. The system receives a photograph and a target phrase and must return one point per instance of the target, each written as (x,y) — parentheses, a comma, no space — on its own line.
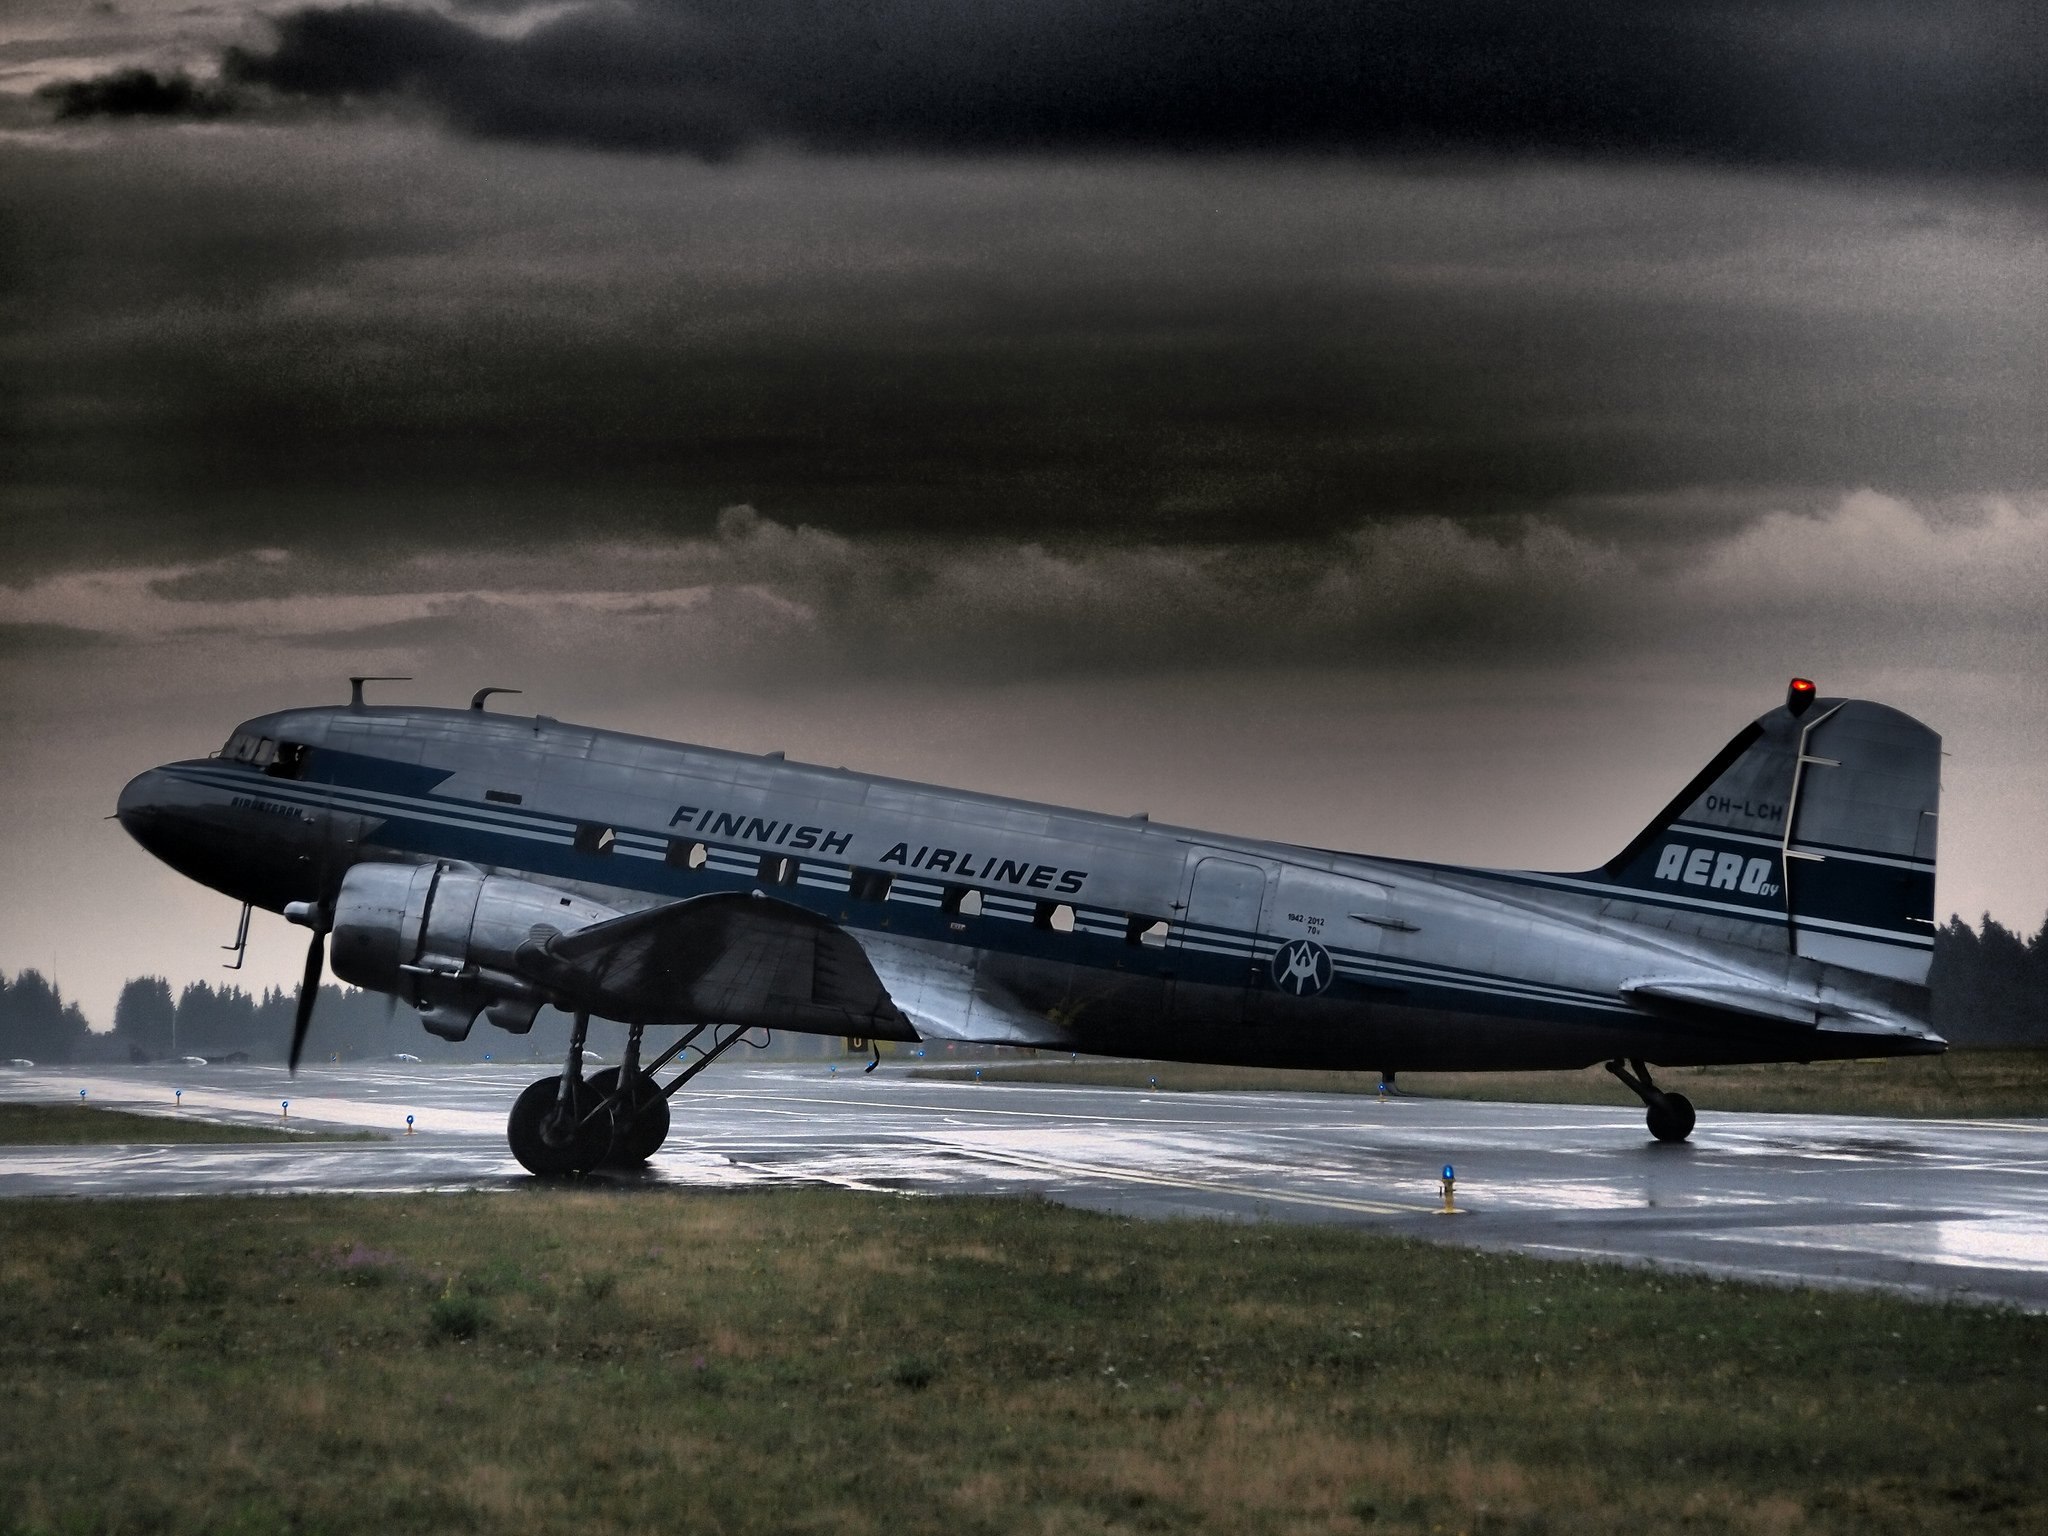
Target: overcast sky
(1425,428)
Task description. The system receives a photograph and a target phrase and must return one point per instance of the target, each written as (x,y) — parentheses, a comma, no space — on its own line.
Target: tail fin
(1817,822)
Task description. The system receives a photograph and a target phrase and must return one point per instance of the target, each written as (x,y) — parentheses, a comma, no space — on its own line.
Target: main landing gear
(1671,1117)
(572,1124)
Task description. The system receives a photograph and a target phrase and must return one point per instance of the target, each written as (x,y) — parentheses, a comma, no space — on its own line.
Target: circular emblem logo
(1303,967)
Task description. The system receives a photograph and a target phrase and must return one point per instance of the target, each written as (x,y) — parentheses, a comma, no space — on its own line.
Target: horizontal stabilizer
(1760,1002)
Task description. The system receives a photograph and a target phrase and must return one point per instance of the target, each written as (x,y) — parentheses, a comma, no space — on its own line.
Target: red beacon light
(1799,695)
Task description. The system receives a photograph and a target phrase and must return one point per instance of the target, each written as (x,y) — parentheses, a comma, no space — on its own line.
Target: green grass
(796,1360)
(1960,1083)
(63,1125)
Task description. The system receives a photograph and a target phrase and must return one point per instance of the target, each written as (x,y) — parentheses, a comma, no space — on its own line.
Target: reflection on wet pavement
(1942,1208)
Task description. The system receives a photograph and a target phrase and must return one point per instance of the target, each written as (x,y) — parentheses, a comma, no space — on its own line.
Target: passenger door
(1216,940)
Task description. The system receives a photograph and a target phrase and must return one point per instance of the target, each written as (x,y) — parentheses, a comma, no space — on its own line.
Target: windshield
(248,747)
(279,759)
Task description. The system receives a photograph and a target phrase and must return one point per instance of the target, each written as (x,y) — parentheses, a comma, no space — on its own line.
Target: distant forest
(1990,988)
(227,1023)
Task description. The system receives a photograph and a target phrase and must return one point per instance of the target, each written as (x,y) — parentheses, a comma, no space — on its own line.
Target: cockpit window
(244,746)
(289,761)
(279,759)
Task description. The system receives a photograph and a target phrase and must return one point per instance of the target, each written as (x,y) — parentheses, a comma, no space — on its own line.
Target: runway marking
(389,1115)
(838,1181)
(1205,1186)
(2030,1127)
(871,1107)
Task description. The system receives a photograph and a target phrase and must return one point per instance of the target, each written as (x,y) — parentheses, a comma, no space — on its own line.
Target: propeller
(309,984)
(309,991)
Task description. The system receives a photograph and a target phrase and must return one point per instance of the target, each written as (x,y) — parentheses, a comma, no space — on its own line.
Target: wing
(726,958)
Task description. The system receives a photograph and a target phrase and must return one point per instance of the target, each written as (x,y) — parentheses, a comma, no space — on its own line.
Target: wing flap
(947,1000)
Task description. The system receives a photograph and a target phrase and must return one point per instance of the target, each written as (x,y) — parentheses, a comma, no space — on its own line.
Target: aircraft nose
(140,809)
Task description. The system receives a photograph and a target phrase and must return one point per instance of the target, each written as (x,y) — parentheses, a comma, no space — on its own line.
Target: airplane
(475,863)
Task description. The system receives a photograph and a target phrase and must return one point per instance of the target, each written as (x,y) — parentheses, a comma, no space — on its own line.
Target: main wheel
(640,1126)
(551,1144)
(1671,1117)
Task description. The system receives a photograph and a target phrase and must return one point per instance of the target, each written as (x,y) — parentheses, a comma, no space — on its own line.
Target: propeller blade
(309,991)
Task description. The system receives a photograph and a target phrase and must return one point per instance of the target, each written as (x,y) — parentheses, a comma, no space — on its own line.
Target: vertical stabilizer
(1817,822)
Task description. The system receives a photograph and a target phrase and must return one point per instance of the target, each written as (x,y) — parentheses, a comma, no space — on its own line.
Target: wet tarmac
(1938,1208)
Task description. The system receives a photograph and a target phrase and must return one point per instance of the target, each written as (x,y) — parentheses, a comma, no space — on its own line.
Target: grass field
(54,1125)
(1960,1083)
(825,1361)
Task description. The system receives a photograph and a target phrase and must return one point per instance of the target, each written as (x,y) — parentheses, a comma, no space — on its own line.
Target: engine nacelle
(442,937)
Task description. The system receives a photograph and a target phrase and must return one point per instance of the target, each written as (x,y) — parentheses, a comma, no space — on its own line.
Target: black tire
(639,1128)
(1671,1117)
(541,1148)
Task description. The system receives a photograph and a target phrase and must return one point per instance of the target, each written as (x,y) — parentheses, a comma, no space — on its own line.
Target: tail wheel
(1671,1117)
(551,1141)
(640,1124)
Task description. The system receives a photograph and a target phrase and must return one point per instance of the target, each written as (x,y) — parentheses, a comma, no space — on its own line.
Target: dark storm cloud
(137,93)
(380,340)
(760,603)
(1959,87)
(33,639)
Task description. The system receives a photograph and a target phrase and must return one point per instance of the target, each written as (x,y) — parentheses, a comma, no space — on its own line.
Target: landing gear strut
(554,1128)
(639,1116)
(571,1124)
(1670,1114)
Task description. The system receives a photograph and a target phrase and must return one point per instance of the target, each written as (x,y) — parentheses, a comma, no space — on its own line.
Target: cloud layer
(245,335)
(1884,86)
(765,604)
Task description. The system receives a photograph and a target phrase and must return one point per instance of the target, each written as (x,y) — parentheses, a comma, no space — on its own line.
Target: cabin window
(504,797)
(591,838)
(962,901)
(778,869)
(1148,932)
(1056,915)
(685,853)
(870,885)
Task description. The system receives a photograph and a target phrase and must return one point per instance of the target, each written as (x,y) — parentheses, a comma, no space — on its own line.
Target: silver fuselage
(1095,933)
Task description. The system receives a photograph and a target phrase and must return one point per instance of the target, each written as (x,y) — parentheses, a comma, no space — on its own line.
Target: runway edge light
(1450,1187)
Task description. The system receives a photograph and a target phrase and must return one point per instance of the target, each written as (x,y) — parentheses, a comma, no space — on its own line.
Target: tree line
(1989,984)
(226,1023)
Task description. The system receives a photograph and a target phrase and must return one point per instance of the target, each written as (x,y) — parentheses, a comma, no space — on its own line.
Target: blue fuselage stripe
(537,842)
